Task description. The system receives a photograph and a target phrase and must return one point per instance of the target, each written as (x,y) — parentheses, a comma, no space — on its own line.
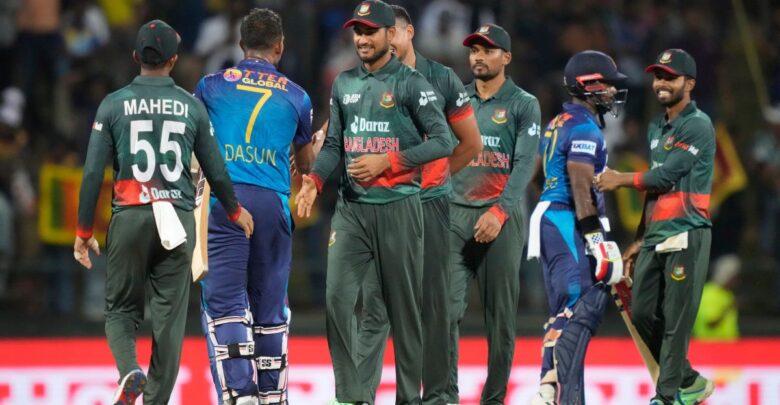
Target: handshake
(609,262)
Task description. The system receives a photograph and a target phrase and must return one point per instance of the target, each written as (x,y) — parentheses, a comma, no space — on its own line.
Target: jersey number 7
(266,94)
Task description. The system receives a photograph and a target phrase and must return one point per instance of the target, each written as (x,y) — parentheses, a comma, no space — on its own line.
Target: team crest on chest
(387,100)
(678,274)
(499,116)
(365,9)
(669,142)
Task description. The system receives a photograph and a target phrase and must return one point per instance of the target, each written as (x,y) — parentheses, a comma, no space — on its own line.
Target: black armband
(590,224)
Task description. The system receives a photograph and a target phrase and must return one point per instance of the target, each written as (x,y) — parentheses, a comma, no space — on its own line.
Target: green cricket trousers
(137,264)
(387,239)
(375,327)
(666,295)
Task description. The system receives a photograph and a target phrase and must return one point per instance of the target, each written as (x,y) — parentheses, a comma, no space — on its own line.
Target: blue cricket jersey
(257,113)
(572,135)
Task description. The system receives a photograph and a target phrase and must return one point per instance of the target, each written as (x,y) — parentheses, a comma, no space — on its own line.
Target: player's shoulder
(521,96)
(439,69)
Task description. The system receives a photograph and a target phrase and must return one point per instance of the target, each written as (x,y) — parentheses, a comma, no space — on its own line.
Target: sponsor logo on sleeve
(232,75)
(463,98)
(654,144)
(499,116)
(534,130)
(97,126)
(426,97)
(588,147)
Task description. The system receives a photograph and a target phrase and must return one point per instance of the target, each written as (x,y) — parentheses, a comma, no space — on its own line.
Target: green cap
(156,42)
(491,34)
(374,13)
(676,62)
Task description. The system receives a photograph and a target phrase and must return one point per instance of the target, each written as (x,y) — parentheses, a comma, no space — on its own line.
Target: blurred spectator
(218,37)
(85,29)
(717,317)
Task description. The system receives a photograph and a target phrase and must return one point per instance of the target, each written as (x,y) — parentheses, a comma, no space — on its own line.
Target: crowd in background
(59,58)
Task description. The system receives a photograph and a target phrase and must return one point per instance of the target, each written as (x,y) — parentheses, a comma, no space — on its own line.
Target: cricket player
(379,110)
(568,227)
(149,130)
(258,114)
(670,256)
(453,100)
(487,228)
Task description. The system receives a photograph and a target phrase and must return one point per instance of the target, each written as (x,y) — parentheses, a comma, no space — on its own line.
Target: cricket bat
(621,292)
(200,257)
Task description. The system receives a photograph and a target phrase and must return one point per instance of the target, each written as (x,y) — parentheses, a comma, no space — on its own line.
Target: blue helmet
(589,74)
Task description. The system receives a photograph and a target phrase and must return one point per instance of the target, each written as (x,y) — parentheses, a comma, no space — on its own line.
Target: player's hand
(306,196)
(81,249)
(487,228)
(367,167)
(246,222)
(607,180)
(629,259)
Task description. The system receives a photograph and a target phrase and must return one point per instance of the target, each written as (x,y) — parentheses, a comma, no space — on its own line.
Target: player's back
(573,135)
(153,124)
(257,114)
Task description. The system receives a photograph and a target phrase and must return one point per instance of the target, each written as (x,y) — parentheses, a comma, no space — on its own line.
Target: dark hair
(400,12)
(261,29)
(149,54)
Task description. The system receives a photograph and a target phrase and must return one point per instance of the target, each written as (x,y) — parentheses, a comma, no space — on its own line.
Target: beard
(378,54)
(485,74)
(674,98)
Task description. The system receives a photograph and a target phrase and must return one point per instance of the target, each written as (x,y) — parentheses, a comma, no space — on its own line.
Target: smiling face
(402,40)
(371,43)
(487,62)
(671,89)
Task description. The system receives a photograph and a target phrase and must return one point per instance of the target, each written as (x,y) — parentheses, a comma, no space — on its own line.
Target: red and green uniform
(494,181)
(453,100)
(378,224)
(678,186)
(149,130)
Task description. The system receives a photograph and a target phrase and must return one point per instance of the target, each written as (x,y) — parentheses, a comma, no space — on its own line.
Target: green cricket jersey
(385,111)
(150,128)
(682,154)
(509,123)
(453,100)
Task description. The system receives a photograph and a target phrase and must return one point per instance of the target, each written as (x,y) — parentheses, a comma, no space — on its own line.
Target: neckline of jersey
(504,92)
(382,73)
(154,80)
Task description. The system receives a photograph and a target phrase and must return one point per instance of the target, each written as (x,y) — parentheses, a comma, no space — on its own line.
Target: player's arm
(460,116)
(207,152)
(696,141)
(327,159)
(302,141)
(580,162)
(491,222)
(99,153)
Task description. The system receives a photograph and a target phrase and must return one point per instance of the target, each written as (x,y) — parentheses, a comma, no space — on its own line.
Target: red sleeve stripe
(237,213)
(459,114)
(638,184)
(83,233)
(499,213)
(317,182)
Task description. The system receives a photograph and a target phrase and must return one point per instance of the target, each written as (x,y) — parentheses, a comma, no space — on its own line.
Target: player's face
(486,62)
(371,43)
(402,41)
(668,88)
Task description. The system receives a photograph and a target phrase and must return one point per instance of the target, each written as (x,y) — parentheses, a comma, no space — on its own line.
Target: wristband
(590,224)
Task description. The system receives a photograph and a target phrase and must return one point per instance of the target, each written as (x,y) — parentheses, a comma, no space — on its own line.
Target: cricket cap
(373,13)
(156,42)
(676,62)
(491,34)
